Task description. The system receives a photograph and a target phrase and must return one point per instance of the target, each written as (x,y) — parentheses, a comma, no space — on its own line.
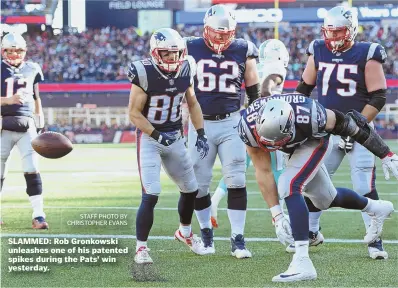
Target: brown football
(52,145)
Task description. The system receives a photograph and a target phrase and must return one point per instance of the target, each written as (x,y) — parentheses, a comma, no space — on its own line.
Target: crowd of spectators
(104,54)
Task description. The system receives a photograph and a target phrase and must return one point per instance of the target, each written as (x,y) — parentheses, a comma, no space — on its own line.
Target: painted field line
(83,236)
(136,208)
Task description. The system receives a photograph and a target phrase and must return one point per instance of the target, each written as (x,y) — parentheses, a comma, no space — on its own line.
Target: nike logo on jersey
(287,276)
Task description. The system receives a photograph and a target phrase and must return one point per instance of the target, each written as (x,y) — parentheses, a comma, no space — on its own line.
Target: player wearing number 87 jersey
(223,62)
(158,87)
(348,75)
(300,126)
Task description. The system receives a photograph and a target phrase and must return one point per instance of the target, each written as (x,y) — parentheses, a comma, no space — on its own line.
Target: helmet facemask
(218,40)
(167,65)
(13,56)
(337,43)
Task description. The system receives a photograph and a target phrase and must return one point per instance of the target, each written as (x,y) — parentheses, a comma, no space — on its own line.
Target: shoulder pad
(252,50)
(311,48)
(137,74)
(192,67)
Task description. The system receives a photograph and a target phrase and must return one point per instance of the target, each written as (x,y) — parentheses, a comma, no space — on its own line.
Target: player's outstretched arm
(137,102)
(39,115)
(266,182)
(195,111)
(265,178)
(15,99)
(354,124)
(308,79)
(252,82)
(270,83)
(376,85)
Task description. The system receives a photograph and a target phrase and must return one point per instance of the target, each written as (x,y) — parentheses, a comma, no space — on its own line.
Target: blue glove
(346,144)
(201,143)
(165,138)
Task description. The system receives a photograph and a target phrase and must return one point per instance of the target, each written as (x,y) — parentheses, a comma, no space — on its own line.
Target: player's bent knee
(237,198)
(202,203)
(33,184)
(152,189)
(321,205)
(149,199)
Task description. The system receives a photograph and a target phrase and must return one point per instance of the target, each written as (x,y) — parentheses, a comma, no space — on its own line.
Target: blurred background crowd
(103,54)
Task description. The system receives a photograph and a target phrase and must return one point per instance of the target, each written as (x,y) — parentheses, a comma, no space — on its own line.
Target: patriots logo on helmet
(159,36)
(348,15)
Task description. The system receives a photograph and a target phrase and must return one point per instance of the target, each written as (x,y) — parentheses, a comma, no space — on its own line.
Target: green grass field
(103,179)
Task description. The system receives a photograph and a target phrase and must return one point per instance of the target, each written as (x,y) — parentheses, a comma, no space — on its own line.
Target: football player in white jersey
(273,60)
(22,116)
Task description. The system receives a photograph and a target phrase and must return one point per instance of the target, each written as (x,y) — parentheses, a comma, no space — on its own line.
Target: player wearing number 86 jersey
(223,62)
(349,76)
(159,85)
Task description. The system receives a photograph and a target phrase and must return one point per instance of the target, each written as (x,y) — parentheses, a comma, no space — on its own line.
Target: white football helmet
(13,48)
(219,28)
(338,19)
(272,51)
(274,125)
(167,39)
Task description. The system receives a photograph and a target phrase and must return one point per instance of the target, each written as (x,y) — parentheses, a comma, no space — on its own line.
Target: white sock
(237,218)
(366,219)
(140,244)
(37,205)
(314,218)
(217,196)
(301,248)
(185,230)
(370,206)
(204,217)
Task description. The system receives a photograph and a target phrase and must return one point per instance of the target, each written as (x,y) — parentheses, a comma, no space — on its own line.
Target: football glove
(165,138)
(390,163)
(201,143)
(346,144)
(282,229)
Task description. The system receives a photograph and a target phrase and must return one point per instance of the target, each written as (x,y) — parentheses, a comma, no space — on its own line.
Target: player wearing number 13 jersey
(348,75)
(159,85)
(223,62)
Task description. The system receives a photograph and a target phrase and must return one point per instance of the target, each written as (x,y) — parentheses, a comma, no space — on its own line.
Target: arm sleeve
(39,75)
(318,119)
(252,50)
(310,50)
(137,75)
(192,67)
(376,52)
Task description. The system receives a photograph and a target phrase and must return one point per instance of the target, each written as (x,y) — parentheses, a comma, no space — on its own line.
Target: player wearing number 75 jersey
(159,85)
(301,126)
(348,75)
(21,116)
(223,62)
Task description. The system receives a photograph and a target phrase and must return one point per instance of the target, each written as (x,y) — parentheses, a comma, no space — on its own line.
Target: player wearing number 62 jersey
(348,75)
(159,85)
(223,62)
(300,126)
(21,116)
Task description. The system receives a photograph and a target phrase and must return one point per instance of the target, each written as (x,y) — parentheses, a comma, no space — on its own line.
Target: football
(52,145)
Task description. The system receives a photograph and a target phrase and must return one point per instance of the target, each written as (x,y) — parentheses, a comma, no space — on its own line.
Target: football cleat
(39,223)
(142,256)
(382,211)
(300,269)
(208,242)
(376,250)
(193,242)
(315,238)
(238,248)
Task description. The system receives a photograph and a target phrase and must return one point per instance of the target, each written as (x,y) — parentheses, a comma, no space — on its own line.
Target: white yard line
(328,240)
(156,208)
